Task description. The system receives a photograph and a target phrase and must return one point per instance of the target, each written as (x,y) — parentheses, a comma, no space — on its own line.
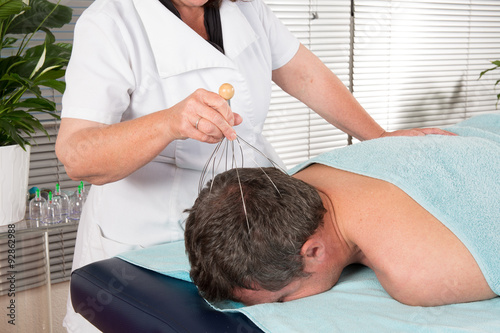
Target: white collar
(177,48)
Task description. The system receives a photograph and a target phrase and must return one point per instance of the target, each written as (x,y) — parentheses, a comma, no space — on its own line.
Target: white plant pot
(14,171)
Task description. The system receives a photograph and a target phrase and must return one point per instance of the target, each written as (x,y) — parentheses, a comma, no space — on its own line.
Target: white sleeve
(99,79)
(284,45)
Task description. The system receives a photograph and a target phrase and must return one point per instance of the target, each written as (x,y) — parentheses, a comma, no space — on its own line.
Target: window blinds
(41,255)
(323,26)
(417,63)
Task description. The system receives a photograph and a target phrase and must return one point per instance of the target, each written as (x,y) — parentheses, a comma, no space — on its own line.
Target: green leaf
(11,132)
(55,55)
(37,104)
(8,41)
(6,64)
(57,50)
(486,71)
(10,7)
(17,78)
(60,86)
(47,70)
(20,96)
(49,36)
(36,17)
(53,74)
(39,64)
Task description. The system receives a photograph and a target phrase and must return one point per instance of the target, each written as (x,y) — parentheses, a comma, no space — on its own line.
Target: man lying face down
(298,240)
(293,237)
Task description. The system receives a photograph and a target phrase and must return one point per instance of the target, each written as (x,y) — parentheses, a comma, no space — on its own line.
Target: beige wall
(32,313)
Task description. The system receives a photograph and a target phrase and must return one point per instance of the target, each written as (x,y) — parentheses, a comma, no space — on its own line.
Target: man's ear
(314,252)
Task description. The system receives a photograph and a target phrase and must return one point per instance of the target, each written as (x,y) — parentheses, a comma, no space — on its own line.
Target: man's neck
(341,250)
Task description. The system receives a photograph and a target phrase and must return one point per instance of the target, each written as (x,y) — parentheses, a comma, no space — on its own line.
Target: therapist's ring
(197,122)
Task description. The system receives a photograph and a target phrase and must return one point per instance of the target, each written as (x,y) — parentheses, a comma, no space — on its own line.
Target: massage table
(117,296)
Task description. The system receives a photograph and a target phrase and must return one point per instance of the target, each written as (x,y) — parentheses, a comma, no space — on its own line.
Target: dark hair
(226,252)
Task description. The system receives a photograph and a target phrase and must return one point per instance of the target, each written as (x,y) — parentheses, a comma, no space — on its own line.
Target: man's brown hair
(229,250)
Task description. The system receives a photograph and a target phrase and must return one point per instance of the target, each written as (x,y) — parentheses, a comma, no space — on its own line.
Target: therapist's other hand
(204,116)
(417,132)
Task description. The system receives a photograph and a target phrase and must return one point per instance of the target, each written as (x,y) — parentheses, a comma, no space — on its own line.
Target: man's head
(227,253)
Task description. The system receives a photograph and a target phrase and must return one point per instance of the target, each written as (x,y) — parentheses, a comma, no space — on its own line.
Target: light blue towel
(358,303)
(455,178)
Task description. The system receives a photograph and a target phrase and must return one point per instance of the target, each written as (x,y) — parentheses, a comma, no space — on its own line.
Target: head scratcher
(223,156)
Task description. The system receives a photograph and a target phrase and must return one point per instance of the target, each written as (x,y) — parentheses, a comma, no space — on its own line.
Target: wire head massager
(224,158)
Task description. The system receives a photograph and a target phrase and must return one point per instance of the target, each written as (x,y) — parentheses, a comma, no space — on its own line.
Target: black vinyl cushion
(116,296)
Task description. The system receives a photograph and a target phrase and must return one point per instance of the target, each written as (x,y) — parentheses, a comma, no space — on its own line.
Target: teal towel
(455,178)
(358,303)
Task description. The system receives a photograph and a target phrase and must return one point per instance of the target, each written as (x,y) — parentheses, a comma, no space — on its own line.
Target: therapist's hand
(204,116)
(417,132)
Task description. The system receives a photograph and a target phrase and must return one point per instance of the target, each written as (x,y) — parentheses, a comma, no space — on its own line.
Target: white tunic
(134,57)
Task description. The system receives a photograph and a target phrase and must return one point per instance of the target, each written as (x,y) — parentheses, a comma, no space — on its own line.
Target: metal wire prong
(241,152)
(243,199)
(275,187)
(220,153)
(216,167)
(276,165)
(272,162)
(205,168)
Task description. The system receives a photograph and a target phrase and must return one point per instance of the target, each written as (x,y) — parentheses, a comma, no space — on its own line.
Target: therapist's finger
(202,116)
(418,132)
(219,113)
(436,131)
(205,126)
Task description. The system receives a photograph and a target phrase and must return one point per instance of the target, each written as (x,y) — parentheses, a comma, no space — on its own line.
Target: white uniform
(134,57)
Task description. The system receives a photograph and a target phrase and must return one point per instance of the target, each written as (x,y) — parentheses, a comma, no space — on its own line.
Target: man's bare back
(416,258)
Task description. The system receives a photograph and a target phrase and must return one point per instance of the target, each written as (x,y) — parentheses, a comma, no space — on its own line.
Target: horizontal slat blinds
(45,168)
(323,26)
(61,249)
(417,63)
(30,261)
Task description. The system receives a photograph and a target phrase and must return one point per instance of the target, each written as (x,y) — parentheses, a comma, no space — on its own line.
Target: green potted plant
(496,64)
(24,68)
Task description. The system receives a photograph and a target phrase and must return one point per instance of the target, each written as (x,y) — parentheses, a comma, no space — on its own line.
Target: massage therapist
(141,110)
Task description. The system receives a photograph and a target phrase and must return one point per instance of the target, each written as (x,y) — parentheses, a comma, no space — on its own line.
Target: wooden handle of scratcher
(226,91)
